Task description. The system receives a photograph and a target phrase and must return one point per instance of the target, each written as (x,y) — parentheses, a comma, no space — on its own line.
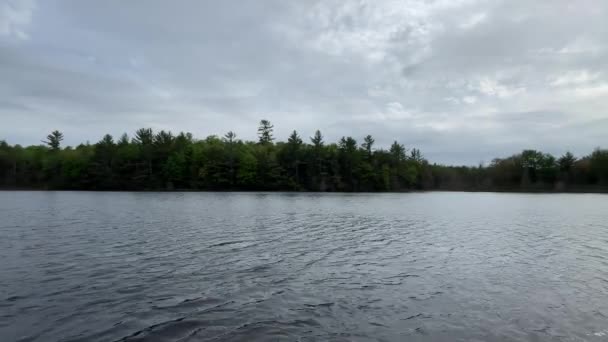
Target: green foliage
(247,172)
(416,155)
(162,160)
(599,166)
(317,140)
(397,153)
(143,136)
(566,162)
(368,143)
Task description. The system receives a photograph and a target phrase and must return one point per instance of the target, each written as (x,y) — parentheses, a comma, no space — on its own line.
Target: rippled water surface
(81,266)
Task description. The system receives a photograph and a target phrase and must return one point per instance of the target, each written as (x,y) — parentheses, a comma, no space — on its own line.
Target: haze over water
(83,266)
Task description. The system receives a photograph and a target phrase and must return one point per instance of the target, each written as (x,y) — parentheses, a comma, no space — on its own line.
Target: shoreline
(601,190)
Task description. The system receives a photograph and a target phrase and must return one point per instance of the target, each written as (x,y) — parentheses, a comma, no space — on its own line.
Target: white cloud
(392,112)
(396,111)
(574,77)
(492,87)
(583,45)
(452,100)
(474,20)
(370,29)
(600,90)
(469,99)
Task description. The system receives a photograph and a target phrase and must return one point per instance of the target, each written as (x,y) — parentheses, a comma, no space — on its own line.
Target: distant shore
(162,161)
(595,190)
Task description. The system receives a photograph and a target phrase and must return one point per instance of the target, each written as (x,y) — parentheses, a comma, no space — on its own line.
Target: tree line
(164,161)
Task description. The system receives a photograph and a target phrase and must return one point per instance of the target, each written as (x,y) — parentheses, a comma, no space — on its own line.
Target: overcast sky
(463,80)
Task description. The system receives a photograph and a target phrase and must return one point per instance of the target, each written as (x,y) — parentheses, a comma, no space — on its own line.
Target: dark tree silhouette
(265,132)
(317,140)
(144,136)
(163,160)
(416,155)
(368,143)
(566,162)
(53,140)
(397,152)
(229,139)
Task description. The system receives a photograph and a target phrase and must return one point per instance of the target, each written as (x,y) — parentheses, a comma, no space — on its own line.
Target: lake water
(83,266)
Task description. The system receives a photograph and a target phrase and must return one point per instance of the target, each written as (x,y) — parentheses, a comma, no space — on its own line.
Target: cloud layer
(463,80)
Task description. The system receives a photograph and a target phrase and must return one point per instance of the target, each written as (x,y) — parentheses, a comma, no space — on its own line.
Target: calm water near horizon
(438,266)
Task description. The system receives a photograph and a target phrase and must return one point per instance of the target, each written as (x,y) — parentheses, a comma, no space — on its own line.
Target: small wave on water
(308,267)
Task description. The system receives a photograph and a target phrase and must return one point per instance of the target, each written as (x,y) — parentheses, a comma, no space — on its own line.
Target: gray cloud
(463,80)
(15,15)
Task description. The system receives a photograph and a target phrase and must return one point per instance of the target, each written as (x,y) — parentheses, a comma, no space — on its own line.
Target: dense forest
(163,161)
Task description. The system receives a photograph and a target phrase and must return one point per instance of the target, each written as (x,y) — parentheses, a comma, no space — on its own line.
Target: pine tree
(54,140)
(265,131)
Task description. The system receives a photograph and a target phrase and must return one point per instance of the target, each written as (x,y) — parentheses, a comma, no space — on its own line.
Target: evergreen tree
(317,181)
(165,161)
(53,140)
(317,140)
(566,162)
(124,140)
(229,140)
(415,155)
(397,152)
(368,143)
(293,149)
(265,132)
